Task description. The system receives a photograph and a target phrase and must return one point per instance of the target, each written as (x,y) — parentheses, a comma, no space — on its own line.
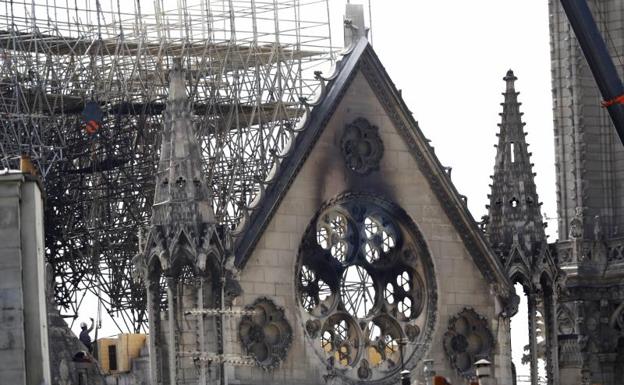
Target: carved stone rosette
(266,335)
(361,147)
(468,340)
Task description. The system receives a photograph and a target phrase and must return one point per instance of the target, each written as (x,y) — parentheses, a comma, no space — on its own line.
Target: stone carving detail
(365,284)
(619,320)
(576,224)
(361,146)
(364,370)
(412,332)
(615,251)
(468,340)
(266,335)
(313,327)
(565,320)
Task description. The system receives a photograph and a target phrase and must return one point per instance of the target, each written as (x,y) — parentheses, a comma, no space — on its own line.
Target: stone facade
(590,197)
(396,218)
(271,269)
(23,322)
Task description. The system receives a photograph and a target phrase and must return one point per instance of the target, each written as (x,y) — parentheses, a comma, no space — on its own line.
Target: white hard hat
(83,324)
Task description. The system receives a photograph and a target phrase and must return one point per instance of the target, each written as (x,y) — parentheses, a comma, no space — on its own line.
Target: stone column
(607,362)
(153,311)
(532,306)
(583,340)
(552,341)
(201,330)
(172,329)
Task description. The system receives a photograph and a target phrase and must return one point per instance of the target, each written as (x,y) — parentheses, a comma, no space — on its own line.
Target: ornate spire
(181,195)
(183,227)
(514,209)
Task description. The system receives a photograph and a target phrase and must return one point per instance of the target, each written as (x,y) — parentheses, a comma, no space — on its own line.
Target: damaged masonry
(251,206)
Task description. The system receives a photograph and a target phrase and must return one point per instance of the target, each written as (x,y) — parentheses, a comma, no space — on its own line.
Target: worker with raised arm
(84,335)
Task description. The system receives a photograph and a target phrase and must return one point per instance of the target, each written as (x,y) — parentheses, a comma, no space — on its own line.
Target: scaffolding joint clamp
(611,102)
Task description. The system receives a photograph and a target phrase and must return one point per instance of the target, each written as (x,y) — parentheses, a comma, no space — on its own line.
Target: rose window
(366,289)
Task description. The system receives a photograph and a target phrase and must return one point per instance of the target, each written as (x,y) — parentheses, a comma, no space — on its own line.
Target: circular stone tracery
(365,284)
(266,335)
(468,340)
(361,145)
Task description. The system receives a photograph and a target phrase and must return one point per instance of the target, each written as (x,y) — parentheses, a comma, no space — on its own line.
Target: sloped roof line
(452,202)
(289,167)
(364,58)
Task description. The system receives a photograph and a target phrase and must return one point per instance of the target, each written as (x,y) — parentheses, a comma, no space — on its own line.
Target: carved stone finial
(510,78)
(515,219)
(177,88)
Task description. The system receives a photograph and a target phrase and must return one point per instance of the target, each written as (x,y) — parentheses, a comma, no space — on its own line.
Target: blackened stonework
(361,146)
(365,281)
(266,335)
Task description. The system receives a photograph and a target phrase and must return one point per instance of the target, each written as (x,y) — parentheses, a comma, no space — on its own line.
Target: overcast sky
(449,58)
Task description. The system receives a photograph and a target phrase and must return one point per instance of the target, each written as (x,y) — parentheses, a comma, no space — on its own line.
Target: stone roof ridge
(514,207)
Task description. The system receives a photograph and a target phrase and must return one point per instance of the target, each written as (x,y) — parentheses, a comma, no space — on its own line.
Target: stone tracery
(467,340)
(266,334)
(362,147)
(361,303)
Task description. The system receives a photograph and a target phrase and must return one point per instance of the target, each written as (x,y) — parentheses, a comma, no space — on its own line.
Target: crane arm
(599,60)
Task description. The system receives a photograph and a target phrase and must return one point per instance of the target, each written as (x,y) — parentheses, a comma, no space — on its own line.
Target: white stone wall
(271,269)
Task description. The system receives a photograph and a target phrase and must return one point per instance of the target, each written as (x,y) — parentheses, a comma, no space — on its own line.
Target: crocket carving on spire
(514,209)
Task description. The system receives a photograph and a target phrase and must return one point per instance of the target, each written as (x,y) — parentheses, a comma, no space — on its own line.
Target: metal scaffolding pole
(246,79)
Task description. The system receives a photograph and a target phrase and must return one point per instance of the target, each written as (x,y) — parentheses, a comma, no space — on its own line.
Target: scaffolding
(250,67)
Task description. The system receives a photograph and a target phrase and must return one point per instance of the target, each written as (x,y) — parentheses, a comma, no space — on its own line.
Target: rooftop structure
(83,86)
